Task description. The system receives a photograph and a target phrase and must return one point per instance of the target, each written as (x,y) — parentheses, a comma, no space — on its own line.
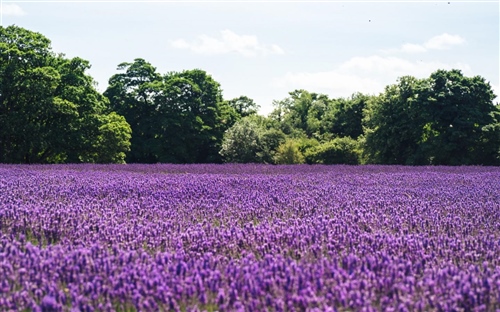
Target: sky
(266,49)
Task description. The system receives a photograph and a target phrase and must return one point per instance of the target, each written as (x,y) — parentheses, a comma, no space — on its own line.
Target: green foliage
(305,143)
(50,112)
(49,109)
(394,123)
(337,151)
(447,119)
(270,140)
(299,110)
(460,113)
(113,140)
(313,115)
(250,141)
(204,115)
(177,118)
(133,94)
(243,106)
(343,117)
(289,153)
(241,143)
(279,117)
(300,114)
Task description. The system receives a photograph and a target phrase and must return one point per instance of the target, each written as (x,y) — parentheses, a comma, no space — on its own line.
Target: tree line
(51,112)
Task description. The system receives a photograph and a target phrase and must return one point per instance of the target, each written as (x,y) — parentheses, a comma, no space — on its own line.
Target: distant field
(249,238)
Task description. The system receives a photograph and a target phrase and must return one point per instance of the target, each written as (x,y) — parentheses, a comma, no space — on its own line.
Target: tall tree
(177,118)
(299,111)
(344,116)
(447,119)
(204,114)
(459,112)
(133,94)
(394,124)
(49,109)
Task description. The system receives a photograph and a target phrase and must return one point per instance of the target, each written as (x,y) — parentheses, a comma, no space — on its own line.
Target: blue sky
(266,49)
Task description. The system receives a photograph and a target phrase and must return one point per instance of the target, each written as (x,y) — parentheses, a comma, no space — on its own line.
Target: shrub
(337,151)
(289,153)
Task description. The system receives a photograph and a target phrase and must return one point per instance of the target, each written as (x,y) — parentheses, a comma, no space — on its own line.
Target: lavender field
(249,238)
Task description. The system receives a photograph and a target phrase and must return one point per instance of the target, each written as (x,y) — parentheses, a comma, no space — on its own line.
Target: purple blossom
(249,237)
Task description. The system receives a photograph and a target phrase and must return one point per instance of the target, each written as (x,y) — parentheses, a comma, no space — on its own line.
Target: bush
(289,153)
(337,151)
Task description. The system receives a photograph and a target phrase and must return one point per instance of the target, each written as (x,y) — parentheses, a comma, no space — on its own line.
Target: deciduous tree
(50,111)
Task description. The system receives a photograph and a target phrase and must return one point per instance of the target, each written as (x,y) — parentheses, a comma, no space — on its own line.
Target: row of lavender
(249,238)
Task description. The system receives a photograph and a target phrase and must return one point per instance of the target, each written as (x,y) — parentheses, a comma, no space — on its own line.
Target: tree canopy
(51,112)
(446,119)
(179,117)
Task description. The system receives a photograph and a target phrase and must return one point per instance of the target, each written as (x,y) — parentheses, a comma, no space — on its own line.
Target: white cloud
(229,42)
(440,42)
(364,74)
(391,65)
(444,41)
(12,9)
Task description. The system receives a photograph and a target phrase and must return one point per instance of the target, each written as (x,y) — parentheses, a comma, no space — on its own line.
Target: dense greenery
(50,112)
(251,139)
(176,117)
(447,119)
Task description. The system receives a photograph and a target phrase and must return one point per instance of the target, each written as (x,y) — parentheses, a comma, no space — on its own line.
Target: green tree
(299,111)
(447,119)
(270,140)
(113,140)
(204,113)
(49,109)
(344,116)
(244,106)
(241,143)
(279,116)
(300,114)
(251,140)
(133,94)
(315,116)
(460,113)
(394,124)
(176,118)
